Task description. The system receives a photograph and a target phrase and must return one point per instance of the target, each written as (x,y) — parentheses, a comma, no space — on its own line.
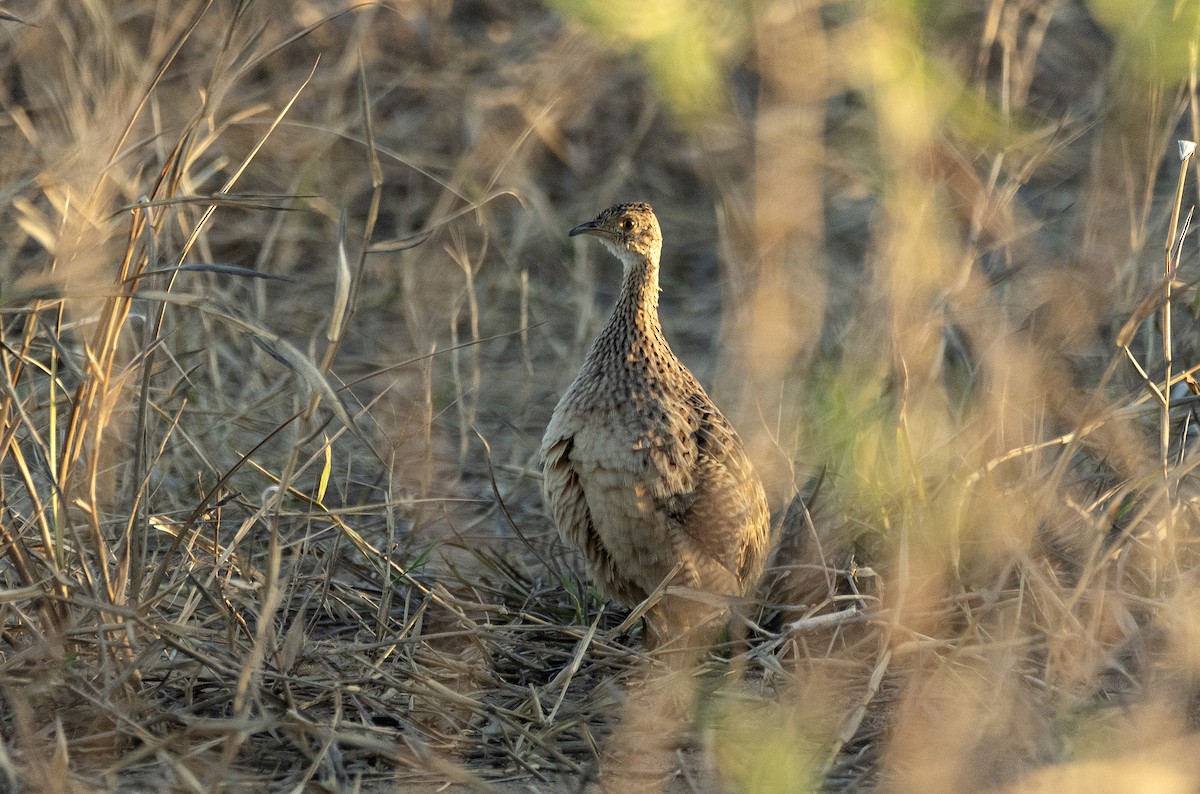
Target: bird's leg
(679,630)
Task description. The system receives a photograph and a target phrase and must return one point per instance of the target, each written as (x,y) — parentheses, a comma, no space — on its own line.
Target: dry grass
(285,301)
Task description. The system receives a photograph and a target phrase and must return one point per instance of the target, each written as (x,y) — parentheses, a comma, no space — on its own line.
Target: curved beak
(591,227)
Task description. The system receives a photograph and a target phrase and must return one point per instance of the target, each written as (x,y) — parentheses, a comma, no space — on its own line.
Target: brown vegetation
(286,300)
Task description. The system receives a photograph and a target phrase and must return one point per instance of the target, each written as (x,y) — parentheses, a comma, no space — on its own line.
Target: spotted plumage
(642,472)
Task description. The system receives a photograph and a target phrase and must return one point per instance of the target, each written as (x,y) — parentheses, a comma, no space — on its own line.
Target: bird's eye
(627,224)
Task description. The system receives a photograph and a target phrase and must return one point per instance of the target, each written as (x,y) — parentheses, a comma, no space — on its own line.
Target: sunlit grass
(285,300)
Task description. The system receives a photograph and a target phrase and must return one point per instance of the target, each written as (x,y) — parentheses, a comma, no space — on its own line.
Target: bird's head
(630,231)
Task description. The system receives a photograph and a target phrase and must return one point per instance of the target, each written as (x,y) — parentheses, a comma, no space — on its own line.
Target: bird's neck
(631,348)
(637,305)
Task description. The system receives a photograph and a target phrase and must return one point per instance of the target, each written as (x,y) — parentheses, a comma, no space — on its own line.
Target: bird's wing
(742,499)
(565,500)
(719,507)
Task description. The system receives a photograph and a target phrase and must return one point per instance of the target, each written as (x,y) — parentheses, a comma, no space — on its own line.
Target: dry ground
(286,300)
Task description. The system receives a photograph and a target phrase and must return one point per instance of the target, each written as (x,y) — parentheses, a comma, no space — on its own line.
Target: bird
(641,470)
